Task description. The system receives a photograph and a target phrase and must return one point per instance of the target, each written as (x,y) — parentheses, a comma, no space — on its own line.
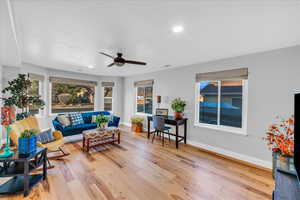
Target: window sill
(222,128)
(143,114)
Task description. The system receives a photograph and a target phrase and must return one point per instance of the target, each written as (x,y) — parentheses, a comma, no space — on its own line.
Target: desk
(170,120)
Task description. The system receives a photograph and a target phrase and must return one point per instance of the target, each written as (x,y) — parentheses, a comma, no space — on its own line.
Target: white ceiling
(68,34)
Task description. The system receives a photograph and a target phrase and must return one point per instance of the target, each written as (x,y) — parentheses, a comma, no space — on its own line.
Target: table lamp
(8,116)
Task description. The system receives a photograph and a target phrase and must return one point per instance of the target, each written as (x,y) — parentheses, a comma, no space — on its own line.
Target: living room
(197,100)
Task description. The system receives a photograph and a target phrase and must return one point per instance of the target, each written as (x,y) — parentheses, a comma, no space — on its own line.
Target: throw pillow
(45,136)
(94,118)
(76,118)
(64,120)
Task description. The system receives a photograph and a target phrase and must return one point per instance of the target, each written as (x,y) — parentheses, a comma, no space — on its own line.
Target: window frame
(229,129)
(50,102)
(41,94)
(112,98)
(136,94)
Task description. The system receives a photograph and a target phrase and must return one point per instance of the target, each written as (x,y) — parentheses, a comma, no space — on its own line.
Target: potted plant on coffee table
(27,141)
(280,140)
(102,120)
(178,106)
(137,124)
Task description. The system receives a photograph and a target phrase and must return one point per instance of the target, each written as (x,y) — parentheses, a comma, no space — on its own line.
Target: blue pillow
(76,118)
(45,136)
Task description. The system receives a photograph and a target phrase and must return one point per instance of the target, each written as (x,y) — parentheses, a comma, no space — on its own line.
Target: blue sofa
(87,117)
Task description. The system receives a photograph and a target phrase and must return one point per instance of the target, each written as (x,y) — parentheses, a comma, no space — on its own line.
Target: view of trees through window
(72,98)
(34,91)
(144,100)
(108,95)
(220,102)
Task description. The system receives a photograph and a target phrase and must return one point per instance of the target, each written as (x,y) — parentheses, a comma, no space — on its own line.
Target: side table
(19,167)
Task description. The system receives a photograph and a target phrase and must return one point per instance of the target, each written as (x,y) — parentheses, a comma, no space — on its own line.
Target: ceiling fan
(119,61)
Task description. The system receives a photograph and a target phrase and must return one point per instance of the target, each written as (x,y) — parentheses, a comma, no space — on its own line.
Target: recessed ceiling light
(91,67)
(177,29)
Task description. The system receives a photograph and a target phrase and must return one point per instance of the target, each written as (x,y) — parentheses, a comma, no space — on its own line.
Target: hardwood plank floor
(140,170)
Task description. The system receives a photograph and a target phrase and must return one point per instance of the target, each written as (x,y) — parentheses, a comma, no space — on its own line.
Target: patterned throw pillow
(64,120)
(45,136)
(76,118)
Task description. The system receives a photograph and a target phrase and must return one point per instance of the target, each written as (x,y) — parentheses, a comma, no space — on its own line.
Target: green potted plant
(102,120)
(27,141)
(137,124)
(16,94)
(178,106)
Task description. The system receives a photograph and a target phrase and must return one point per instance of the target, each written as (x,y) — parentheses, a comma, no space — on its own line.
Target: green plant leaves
(28,133)
(17,94)
(178,105)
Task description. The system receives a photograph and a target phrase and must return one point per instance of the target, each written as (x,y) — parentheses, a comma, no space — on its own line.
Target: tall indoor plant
(280,140)
(16,94)
(178,106)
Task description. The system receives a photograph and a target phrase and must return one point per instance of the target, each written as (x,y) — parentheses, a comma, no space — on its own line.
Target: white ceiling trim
(13,29)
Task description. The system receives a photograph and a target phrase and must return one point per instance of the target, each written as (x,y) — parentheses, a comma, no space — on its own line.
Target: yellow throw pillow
(94,118)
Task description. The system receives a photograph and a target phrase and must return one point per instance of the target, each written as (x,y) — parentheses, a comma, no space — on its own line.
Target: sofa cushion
(76,118)
(87,116)
(64,120)
(81,126)
(94,117)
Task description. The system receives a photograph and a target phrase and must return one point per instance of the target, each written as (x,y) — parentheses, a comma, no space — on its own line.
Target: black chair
(160,128)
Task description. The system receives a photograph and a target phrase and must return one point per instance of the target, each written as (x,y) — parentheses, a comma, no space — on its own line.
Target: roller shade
(146,83)
(241,73)
(107,84)
(33,76)
(70,81)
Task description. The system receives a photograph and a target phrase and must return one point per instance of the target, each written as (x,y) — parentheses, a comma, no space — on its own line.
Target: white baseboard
(126,124)
(242,157)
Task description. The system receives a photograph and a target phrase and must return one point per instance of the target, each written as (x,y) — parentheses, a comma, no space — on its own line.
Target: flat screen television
(297,134)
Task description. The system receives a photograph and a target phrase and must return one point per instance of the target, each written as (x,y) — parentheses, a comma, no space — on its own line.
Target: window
(144,99)
(34,90)
(108,98)
(221,102)
(68,95)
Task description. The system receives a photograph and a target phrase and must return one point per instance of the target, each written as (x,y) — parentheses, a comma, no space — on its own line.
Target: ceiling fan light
(177,29)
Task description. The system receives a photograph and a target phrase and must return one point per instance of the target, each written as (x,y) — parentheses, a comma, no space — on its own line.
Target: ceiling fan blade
(135,62)
(106,55)
(110,65)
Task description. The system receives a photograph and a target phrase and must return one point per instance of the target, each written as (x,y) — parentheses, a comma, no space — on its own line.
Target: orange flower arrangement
(280,137)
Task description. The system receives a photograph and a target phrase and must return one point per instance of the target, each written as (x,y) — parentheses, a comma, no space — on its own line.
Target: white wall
(10,73)
(274,77)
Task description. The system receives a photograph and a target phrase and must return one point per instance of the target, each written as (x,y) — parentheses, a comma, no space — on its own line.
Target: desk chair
(160,128)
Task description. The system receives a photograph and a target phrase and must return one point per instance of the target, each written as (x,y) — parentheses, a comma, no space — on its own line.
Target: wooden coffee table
(98,136)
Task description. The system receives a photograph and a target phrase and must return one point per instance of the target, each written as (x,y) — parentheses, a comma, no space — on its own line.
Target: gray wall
(274,77)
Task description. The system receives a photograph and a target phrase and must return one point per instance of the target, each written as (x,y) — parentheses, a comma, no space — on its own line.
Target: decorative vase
(282,162)
(137,128)
(102,125)
(27,145)
(178,115)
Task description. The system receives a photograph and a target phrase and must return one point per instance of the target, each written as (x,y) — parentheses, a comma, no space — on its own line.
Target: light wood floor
(138,169)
